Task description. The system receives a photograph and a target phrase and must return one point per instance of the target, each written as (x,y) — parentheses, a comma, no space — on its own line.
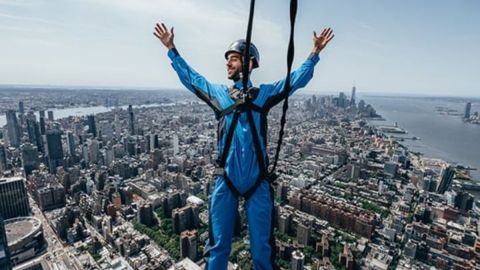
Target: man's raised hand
(321,41)
(164,35)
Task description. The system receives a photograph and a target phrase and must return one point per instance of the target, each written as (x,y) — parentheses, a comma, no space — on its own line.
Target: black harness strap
(287,87)
(243,103)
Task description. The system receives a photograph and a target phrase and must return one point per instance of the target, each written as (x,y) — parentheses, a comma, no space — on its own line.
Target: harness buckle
(219,171)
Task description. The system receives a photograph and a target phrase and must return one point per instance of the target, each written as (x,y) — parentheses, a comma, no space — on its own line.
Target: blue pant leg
(259,215)
(223,211)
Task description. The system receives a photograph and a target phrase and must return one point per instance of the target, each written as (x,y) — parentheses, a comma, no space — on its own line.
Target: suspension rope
(287,86)
(246,54)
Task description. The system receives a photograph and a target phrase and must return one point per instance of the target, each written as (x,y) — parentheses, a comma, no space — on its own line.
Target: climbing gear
(239,47)
(244,103)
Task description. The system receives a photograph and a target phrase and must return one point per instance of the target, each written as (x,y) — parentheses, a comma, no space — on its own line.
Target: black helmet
(239,47)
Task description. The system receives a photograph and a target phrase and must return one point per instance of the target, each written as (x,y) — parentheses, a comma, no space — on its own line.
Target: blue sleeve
(298,78)
(190,78)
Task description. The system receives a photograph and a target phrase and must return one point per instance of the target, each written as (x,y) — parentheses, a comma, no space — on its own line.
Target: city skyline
(428,48)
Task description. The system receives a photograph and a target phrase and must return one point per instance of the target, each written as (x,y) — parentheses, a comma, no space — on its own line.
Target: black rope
(287,86)
(246,54)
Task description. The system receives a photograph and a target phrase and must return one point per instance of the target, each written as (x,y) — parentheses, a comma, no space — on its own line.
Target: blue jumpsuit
(241,164)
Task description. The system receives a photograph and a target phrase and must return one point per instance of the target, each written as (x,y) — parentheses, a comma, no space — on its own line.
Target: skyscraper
(50,116)
(92,127)
(33,130)
(446,177)
(131,120)
(175,144)
(13,198)
(5,263)
(3,158)
(21,107)
(30,160)
(468,108)
(352,99)
(54,149)
(70,143)
(145,214)
(297,261)
(189,244)
(42,126)
(13,129)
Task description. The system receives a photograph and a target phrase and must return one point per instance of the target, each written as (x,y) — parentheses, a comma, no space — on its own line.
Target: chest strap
(243,103)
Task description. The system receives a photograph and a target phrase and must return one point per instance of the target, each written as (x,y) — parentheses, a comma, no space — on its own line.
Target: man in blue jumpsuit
(241,168)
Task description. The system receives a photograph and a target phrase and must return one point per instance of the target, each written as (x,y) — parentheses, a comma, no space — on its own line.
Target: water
(80,111)
(441,136)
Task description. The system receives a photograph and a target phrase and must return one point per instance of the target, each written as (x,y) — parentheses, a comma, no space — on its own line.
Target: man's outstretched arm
(191,79)
(300,77)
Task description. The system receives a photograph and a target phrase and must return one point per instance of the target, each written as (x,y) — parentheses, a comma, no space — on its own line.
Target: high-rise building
(70,144)
(13,129)
(13,198)
(468,108)
(105,130)
(298,260)
(54,149)
(352,99)
(5,263)
(51,197)
(189,244)
(30,160)
(21,107)
(175,144)
(342,100)
(3,158)
(50,116)
(92,127)
(33,131)
(145,214)
(131,120)
(464,200)
(446,178)
(43,127)
(303,234)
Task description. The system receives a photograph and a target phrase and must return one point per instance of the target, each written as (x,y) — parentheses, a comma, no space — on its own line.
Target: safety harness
(243,102)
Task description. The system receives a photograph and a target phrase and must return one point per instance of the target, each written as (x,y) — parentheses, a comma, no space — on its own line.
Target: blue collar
(239,84)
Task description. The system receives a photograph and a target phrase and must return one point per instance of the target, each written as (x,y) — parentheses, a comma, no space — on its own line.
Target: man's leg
(260,225)
(223,212)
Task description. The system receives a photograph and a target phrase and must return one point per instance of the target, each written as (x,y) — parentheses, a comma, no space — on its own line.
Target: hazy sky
(410,46)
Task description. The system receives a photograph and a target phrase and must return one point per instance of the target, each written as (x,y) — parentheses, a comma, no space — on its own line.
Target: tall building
(54,149)
(5,263)
(189,244)
(43,127)
(13,129)
(3,158)
(342,100)
(468,109)
(21,107)
(303,233)
(352,99)
(464,201)
(50,116)
(145,214)
(70,144)
(131,120)
(33,131)
(446,178)
(298,260)
(51,197)
(30,160)
(92,127)
(175,144)
(13,198)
